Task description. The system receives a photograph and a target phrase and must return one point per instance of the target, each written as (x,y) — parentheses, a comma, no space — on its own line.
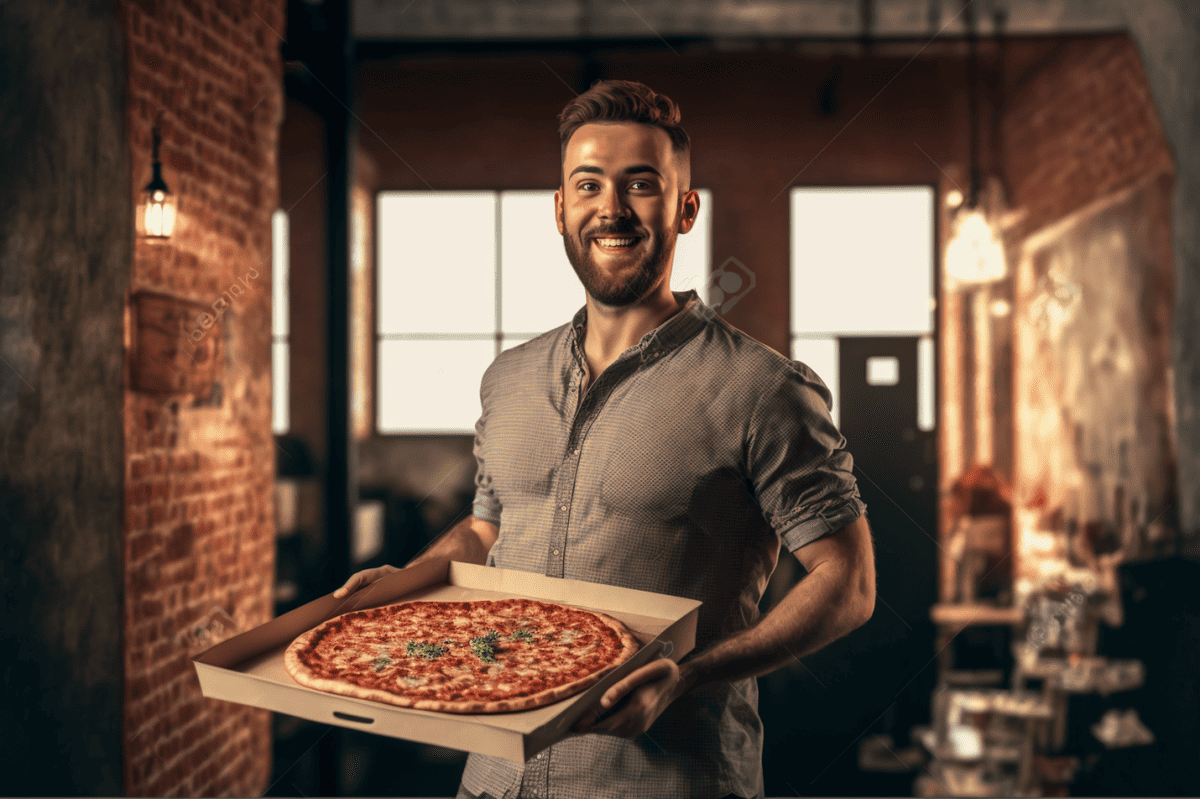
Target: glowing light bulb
(975,254)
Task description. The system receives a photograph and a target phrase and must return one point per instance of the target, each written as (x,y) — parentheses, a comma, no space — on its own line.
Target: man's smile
(616,244)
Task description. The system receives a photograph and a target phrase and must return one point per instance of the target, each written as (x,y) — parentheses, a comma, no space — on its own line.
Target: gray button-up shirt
(679,471)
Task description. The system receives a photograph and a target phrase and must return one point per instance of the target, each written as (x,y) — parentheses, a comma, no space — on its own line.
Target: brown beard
(629,288)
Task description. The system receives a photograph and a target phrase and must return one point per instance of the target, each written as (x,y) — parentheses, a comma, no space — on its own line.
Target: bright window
(861,265)
(463,276)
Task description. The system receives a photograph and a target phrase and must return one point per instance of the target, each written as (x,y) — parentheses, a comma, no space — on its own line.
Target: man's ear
(689,210)
(558,214)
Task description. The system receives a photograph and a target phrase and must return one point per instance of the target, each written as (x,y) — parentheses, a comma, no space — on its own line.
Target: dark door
(895,463)
(877,384)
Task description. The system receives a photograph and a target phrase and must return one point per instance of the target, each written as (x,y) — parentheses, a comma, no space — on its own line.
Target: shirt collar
(692,316)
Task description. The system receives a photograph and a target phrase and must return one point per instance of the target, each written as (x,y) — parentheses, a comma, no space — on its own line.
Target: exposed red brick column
(199,515)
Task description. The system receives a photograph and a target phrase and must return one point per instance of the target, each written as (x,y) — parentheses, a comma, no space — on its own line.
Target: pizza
(484,656)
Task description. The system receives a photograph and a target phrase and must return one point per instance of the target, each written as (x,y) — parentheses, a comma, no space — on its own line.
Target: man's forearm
(460,543)
(818,610)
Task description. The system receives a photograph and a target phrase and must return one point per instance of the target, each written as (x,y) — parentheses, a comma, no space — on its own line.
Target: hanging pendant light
(156,204)
(975,254)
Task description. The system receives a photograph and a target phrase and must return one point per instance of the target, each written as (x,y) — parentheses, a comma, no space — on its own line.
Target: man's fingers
(356,581)
(587,722)
(620,689)
(363,578)
(653,670)
(351,585)
(614,694)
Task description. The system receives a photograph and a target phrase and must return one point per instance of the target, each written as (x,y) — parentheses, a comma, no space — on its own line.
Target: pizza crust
(302,674)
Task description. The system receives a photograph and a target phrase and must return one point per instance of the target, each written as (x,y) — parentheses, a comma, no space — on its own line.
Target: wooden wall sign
(176,346)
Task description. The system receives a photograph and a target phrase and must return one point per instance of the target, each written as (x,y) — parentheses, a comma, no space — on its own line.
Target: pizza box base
(249,669)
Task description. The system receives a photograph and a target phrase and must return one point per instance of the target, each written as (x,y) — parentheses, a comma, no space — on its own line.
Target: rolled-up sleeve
(486,506)
(797,462)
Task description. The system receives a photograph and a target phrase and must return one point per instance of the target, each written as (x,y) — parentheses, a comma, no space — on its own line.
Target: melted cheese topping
(368,648)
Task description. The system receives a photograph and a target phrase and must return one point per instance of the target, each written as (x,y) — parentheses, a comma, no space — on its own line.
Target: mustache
(617,232)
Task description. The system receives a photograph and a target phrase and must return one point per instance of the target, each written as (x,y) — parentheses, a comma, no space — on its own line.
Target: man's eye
(591,186)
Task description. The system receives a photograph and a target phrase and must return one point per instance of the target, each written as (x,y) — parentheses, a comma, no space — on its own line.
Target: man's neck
(611,331)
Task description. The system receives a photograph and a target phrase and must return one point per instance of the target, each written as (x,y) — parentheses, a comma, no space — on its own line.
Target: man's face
(619,210)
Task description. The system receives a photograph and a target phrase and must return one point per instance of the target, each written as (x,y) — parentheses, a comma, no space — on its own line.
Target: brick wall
(1082,127)
(199,520)
(1092,173)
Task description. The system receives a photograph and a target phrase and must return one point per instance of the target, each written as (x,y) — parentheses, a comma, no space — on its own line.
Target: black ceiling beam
(384,50)
(388,49)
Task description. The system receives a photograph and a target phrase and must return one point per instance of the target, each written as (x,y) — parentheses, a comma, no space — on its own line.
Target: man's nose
(613,206)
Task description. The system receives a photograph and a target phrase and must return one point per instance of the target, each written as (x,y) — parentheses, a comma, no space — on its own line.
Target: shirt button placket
(556,569)
(540,774)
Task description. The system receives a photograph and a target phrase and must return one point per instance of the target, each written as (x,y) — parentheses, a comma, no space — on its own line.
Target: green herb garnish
(427,651)
(522,635)
(380,662)
(485,646)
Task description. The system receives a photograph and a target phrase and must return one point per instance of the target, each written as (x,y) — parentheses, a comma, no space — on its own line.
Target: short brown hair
(628,101)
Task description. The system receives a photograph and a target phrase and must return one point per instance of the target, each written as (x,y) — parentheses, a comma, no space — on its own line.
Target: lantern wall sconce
(156,204)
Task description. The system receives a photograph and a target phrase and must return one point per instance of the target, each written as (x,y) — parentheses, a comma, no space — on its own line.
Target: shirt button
(564,507)
(576,452)
(539,755)
(556,552)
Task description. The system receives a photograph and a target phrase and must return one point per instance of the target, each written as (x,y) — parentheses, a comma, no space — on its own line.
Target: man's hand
(364,578)
(647,693)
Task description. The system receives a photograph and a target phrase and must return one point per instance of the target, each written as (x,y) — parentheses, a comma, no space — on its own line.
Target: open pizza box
(248,668)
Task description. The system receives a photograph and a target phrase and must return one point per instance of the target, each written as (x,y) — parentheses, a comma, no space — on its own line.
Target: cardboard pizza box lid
(248,668)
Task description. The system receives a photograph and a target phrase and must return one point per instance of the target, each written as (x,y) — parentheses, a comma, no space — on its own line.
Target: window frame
(932,335)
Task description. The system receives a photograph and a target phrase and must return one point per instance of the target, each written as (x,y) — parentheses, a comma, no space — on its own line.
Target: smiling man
(649,444)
